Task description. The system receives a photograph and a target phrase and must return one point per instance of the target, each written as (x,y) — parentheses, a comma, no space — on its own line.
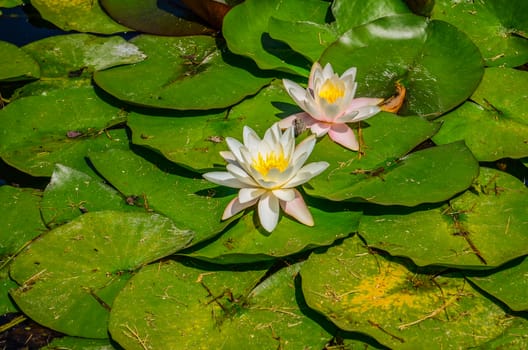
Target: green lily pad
(499,113)
(70,276)
(203,309)
(509,285)
(498,27)
(6,304)
(382,172)
(246,31)
(482,228)
(10,3)
(425,56)
(16,65)
(352,13)
(73,55)
(401,308)
(150,17)
(194,140)
(59,127)
(246,242)
(78,15)
(162,186)
(72,193)
(194,72)
(21,221)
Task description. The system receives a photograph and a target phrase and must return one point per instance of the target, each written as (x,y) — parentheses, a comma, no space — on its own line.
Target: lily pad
(425,56)
(79,15)
(10,3)
(6,304)
(16,65)
(72,193)
(382,172)
(70,56)
(500,115)
(403,309)
(73,343)
(194,72)
(59,127)
(514,337)
(498,27)
(246,31)
(162,186)
(194,140)
(482,228)
(152,17)
(224,310)
(509,284)
(21,221)
(69,278)
(247,242)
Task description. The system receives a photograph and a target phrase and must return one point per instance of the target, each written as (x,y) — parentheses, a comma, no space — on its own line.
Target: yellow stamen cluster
(272,160)
(331,90)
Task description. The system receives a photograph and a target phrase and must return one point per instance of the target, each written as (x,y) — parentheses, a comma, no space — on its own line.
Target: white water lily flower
(329,104)
(266,172)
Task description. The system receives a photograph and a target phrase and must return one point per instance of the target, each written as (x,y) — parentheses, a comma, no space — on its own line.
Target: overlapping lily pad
(482,228)
(152,17)
(498,27)
(15,64)
(246,31)
(382,172)
(401,308)
(194,72)
(425,56)
(194,140)
(203,309)
(70,193)
(69,278)
(58,127)
(494,124)
(247,242)
(191,202)
(79,15)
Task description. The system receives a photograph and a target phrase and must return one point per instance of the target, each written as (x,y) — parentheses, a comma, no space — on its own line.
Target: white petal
(234,207)
(234,146)
(228,156)
(224,178)
(249,194)
(320,128)
(296,92)
(303,151)
(251,139)
(241,175)
(350,73)
(306,173)
(297,209)
(268,211)
(284,194)
(328,71)
(366,112)
(315,72)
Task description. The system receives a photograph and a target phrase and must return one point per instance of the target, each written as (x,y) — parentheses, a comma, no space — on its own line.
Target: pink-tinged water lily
(266,172)
(329,104)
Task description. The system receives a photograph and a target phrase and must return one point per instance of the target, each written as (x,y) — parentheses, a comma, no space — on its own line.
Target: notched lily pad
(482,228)
(79,15)
(424,56)
(194,72)
(494,124)
(69,278)
(401,308)
(59,127)
(164,187)
(224,310)
(16,65)
(71,193)
(498,27)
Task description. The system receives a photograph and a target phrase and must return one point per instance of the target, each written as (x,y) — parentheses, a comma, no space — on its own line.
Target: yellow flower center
(331,90)
(272,160)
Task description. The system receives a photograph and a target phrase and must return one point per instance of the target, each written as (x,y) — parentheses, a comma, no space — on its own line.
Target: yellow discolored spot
(264,163)
(332,90)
